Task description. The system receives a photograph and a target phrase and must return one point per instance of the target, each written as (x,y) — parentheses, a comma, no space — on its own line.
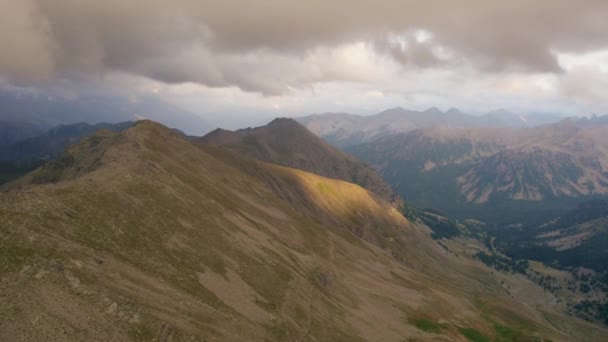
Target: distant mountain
(286,142)
(593,120)
(24,155)
(49,111)
(50,144)
(485,171)
(146,235)
(505,118)
(346,129)
(13,131)
(533,174)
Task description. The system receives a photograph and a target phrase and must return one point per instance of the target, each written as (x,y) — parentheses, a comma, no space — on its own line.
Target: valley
(534,198)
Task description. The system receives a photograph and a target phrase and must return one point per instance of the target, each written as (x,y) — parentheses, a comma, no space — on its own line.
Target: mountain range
(35,112)
(344,130)
(26,153)
(146,234)
(50,144)
(484,172)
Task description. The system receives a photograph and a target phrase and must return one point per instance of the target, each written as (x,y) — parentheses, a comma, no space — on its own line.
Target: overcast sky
(263,58)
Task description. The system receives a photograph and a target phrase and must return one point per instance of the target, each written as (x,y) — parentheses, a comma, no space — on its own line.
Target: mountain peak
(286,142)
(394,110)
(433,110)
(282,121)
(288,125)
(219,136)
(146,124)
(454,111)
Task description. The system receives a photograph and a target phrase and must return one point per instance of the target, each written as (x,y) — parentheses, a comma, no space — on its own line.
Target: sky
(242,61)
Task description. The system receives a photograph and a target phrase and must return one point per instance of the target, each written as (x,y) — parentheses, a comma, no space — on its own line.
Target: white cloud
(423,36)
(585,81)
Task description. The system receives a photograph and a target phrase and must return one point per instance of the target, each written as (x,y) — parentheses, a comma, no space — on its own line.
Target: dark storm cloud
(222,43)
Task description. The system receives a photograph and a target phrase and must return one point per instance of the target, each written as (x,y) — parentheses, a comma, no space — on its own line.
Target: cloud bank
(270,46)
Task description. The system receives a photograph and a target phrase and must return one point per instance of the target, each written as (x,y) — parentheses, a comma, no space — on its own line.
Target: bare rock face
(533,174)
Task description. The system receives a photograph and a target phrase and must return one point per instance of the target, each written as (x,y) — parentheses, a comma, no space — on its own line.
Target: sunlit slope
(285,142)
(142,235)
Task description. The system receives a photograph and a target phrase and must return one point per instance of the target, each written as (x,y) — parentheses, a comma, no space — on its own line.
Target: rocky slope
(143,235)
(533,174)
(285,142)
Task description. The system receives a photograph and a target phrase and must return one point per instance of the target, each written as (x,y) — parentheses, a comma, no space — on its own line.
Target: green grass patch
(504,333)
(12,256)
(427,325)
(474,335)
(142,332)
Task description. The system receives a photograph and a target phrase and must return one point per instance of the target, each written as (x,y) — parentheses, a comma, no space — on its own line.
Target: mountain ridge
(147,236)
(285,142)
(47,111)
(345,130)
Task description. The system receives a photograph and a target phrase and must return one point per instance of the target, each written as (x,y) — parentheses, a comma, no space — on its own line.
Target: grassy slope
(143,236)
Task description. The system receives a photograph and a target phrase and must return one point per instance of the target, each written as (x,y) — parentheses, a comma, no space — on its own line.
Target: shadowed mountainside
(577,238)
